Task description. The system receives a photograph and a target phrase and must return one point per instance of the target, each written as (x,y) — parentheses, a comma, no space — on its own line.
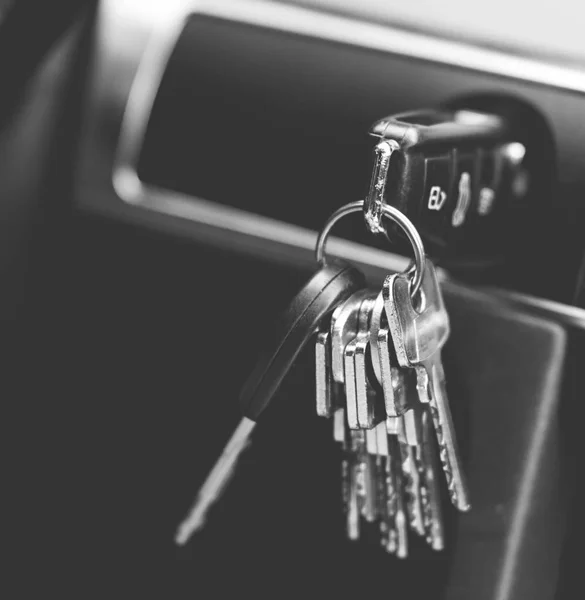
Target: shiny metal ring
(390,213)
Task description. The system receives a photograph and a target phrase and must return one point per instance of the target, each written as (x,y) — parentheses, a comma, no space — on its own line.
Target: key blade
(411,486)
(395,507)
(433,511)
(339,433)
(415,421)
(211,490)
(432,380)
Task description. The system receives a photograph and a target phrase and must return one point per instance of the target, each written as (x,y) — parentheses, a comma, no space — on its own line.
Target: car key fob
(455,173)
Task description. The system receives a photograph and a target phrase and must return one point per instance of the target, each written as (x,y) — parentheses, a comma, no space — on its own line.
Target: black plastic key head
(458,174)
(329,286)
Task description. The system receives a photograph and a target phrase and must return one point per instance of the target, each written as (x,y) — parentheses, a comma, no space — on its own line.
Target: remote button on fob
(438,201)
(465,184)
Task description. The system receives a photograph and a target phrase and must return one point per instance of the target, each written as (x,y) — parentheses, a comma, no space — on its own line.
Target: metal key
(419,462)
(391,514)
(425,460)
(366,475)
(365,465)
(343,327)
(374,453)
(408,438)
(382,360)
(370,410)
(344,323)
(349,494)
(419,336)
(386,516)
(396,502)
(328,287)
(398,401)
(323,375)
(433,515)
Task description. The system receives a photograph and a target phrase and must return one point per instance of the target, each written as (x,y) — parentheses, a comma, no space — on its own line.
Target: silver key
(391,514)
(344,322)
(406,450)
(378,479)
(366,471)
(397,402)
(370,410)
(380,346)
(433,515)
(323,375)
(365,475)
(418,338)
(411,469)
(340,435)
(343,327)
(396,504)
(350,386)
(402,472)
(348,477)
(417,438)
(334,397)
(354,471)
(386,516)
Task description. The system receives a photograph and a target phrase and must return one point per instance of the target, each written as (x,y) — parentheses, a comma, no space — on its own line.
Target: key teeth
(443,453)
(429,521)
(424,388)
(410,486)
(427,512)
(388,525)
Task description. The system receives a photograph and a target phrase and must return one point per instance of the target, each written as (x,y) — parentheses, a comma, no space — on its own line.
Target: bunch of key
(379,377)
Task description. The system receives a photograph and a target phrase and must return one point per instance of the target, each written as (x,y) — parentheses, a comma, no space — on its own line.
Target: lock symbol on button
(437,198)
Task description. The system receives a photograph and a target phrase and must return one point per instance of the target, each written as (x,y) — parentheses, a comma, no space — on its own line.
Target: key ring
(394,215)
